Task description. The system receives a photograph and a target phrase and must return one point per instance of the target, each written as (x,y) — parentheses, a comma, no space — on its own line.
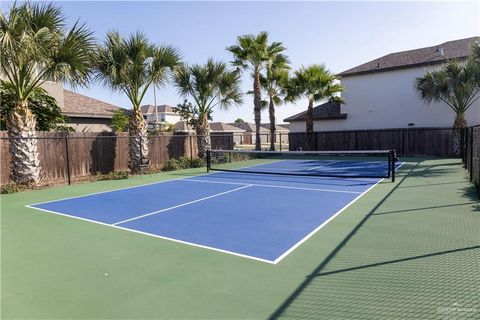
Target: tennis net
(349,164)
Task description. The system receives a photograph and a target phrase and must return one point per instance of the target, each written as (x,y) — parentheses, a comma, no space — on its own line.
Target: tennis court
(261,211)
(403,250)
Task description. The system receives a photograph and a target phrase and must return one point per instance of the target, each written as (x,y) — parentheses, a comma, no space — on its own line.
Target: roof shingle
(148,108)
(326,111)
(456,49)
(78,105)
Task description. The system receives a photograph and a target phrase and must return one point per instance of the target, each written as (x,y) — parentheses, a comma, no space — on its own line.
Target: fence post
(471,153)
(68,160)
(191,147)
(280,137)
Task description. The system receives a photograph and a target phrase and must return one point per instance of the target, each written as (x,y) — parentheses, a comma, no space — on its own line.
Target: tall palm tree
(36,47)
(457,85)
(275,83)
(131,65)
(253,53)
(316,83)
(210,85)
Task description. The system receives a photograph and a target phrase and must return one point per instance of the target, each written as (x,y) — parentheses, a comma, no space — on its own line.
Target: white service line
(323,165)
(180,205)
(272,186)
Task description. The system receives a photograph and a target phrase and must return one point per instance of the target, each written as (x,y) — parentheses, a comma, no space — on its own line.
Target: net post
(393,156)
(389,173)
(208,160)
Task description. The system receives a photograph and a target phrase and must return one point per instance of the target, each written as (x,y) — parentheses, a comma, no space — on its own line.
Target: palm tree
(316,83)
(36,47)
(275,84)
(457,85)
(131,65)
(210,85)
(253,53)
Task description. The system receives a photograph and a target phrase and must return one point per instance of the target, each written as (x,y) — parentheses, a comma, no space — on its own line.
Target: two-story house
(380,93)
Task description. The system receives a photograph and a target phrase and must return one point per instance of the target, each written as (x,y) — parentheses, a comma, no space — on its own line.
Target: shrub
(183,163)
(115,175)
(13,188)
(198,163)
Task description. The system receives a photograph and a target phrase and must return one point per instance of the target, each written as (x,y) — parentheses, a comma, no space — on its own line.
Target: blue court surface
(257,216)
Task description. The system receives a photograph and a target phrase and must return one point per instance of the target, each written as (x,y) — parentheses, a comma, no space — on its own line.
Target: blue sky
(339,34)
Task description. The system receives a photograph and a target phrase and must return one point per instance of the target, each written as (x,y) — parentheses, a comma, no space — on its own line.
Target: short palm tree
(457,85)
(274,83)
(131,65)
(210,85)
(35,48)
(316,83)
(253,53)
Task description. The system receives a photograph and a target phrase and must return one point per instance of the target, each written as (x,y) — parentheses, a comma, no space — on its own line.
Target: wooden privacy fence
(407,142)
(79,156)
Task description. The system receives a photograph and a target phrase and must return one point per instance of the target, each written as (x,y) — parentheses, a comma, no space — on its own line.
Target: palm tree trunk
(21,129)
(257,109)
(138,143)
(459,124)
(273,129)
(309,126)
(203,136)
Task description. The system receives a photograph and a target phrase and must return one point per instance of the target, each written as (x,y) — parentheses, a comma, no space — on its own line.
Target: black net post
(393,160)
(208,160)
(280,138)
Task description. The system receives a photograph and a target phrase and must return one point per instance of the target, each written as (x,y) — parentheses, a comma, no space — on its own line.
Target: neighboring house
(165,115)
(216,128)
(381,94)
(249,137)
(87,114)
(219,128)
(182,126)
(328,112)
(282,128)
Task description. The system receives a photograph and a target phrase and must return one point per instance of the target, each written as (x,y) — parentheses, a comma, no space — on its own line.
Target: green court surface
(405,250)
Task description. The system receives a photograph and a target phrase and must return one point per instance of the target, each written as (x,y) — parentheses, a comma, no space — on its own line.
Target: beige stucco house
(380,93)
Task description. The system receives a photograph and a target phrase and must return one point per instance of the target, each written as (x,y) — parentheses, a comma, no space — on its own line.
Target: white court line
(198,245)
(295,246)
(272,186)
(125,188)
(180,205)
(323,165)
(156,236)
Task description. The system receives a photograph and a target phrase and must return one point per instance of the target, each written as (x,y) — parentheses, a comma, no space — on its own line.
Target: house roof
(412,58)
(326,111)
(182,126)
(80,106)
(164,108)
(214,127)
(280,127)
(224,127)
(249,127)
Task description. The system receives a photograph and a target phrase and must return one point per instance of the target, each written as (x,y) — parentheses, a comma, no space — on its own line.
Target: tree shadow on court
(472,194)
(393,265)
